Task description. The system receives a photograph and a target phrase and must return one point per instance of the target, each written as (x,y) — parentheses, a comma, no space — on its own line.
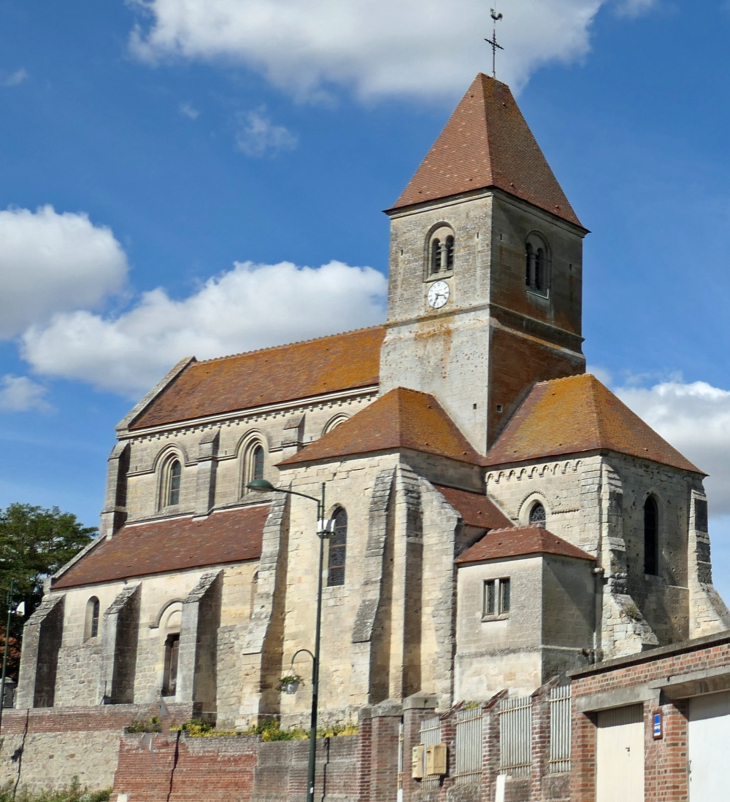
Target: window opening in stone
(173,496)
(172,650)
(651,537)
(91,628)
(529,256)
(496,597)
(449,253)
(435,256)
(537,265)
(257,471)
(338,550)
(537,516)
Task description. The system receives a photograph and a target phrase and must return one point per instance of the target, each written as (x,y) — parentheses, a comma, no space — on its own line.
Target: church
(499,517)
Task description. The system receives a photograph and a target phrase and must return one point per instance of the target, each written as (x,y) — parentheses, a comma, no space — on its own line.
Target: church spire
(487,143)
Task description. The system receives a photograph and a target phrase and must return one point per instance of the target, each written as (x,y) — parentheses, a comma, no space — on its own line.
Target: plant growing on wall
(289,684)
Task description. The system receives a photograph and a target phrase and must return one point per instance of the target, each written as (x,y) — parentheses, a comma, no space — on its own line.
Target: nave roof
(333,364)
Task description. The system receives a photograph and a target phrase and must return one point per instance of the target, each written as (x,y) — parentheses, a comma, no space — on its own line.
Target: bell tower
(485,284)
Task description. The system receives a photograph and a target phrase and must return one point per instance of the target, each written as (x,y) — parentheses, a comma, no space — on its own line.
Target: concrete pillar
(206,472)
(119,638)
(197,664)
(42,637)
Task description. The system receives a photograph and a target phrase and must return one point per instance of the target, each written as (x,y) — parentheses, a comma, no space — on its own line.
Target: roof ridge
(288,345)
(600,429)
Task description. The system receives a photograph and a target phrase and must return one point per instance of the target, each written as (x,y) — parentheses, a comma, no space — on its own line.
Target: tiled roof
(520,541)
(171,545)
(273,375)
(475,508)
(487,143)
(568,416)
(400,419)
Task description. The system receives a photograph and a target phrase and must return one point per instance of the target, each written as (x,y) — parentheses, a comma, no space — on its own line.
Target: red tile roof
(274,375)
(487,143)
(520,541)
(171,545)
(400,419)
(576,414)
(475,508)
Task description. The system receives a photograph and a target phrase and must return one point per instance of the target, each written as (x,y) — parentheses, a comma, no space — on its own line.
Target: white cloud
(258,136)
(421,48)
(695,419)
(20,394)
(188,110)
(15,78)
(251,306)
(51,262)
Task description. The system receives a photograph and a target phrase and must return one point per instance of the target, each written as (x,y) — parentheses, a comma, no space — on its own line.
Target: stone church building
(500,517)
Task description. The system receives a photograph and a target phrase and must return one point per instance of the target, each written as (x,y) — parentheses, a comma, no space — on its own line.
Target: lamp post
(324,531)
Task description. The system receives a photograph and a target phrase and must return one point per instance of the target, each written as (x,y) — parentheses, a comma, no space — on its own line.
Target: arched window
(338,550)
(441,252)
(254,464)
(91,626)
(537,515)
(174,473)
(651,537)
(537,264)
(435,256)
(172,651)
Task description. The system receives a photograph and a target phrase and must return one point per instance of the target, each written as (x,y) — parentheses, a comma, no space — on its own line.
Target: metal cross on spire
(493,41)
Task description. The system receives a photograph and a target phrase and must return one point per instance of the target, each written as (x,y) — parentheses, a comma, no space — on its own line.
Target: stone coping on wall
(88,718)
(652,655)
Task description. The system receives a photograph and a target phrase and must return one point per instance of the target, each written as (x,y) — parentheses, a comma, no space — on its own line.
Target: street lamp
(324,532)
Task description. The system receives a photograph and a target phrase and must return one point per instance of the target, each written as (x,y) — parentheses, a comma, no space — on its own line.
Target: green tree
(35,543)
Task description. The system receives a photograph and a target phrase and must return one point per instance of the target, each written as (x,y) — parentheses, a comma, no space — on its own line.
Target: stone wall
(212,456)
(48,748)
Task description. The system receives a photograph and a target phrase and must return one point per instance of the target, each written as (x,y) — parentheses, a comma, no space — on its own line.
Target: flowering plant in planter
(289,684)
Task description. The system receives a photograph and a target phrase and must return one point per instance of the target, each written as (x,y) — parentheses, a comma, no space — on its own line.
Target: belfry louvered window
(338,550)
(537,264)
(441,252)
(651,537)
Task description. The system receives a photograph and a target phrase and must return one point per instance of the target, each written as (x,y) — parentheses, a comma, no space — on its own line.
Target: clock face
(438,294)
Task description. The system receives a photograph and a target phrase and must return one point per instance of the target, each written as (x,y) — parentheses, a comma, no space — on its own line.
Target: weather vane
(493,41)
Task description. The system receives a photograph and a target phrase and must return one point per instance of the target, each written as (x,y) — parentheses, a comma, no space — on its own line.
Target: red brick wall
(665,760)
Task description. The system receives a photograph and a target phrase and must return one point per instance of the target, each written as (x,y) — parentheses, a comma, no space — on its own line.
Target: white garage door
(620,755)
(709,737)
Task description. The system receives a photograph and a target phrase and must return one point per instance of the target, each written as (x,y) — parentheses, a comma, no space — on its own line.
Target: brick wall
(44,748)
(665,760)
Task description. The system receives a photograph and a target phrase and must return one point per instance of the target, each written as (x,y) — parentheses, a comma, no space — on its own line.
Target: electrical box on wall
(436,759)
(417,762)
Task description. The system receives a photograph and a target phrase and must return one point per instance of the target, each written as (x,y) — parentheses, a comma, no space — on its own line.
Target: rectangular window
(496,597)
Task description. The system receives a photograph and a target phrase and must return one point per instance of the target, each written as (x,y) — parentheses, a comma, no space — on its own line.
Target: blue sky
(208,177)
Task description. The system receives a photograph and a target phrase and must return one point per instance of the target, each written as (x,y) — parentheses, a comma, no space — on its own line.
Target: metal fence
(560,711)
(430,735)
(468,746)
(515,736)
(431,731)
